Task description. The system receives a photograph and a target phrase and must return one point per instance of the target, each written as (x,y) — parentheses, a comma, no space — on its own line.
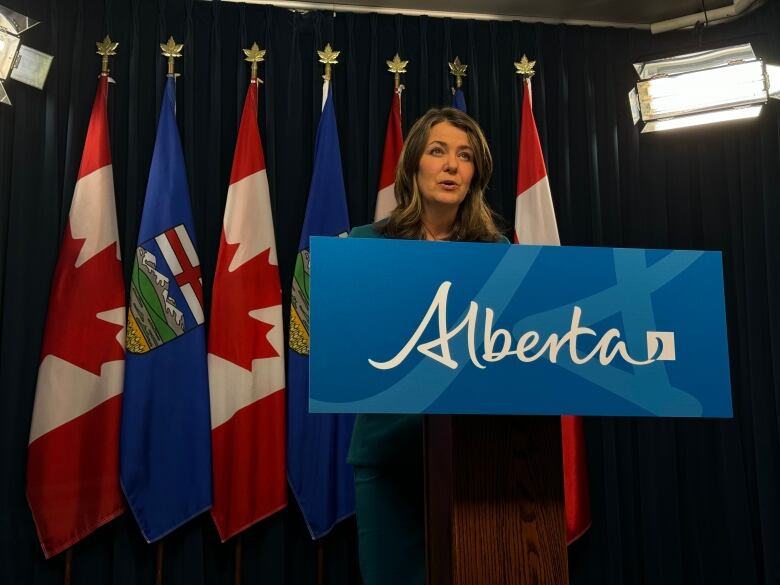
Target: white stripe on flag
(186,243)
(65,392)
(325,86)
(193,302)
(238,388)
(535,216)
(168,253)
(93,214)
(385,202)
(248,219)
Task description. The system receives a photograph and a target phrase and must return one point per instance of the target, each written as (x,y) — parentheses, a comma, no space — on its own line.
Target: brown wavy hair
(475,221)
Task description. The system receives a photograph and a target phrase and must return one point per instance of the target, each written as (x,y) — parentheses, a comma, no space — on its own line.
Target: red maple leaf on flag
(74,332)
(234,334)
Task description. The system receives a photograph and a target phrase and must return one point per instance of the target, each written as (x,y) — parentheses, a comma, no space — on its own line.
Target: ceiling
(632,13)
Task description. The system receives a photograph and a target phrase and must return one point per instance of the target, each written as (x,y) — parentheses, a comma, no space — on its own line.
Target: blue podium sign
(402,326)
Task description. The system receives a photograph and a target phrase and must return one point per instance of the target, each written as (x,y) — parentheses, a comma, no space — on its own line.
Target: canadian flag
(535,224)
(385,200)
(246,364)
(73,453)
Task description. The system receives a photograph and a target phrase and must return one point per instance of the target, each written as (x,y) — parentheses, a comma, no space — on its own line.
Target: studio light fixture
(18,61)
(702,88)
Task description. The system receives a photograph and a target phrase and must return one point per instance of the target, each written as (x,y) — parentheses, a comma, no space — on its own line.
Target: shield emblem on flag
(166,291)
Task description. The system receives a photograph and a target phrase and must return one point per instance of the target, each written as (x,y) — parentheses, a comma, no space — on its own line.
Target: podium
(444,329)
(494,510)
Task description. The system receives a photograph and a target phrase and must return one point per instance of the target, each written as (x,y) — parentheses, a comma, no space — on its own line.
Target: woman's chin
(444,199)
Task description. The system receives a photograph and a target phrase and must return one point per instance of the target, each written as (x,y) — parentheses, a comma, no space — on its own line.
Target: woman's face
(446,168)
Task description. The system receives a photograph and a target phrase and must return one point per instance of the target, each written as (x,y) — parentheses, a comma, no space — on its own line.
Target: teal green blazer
(386,439)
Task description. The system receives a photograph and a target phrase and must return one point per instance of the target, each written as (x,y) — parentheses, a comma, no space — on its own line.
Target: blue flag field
(165,450)
(317,444)
(459,100)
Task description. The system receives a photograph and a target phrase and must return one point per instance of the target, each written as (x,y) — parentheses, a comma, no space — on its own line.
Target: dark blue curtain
(673,501)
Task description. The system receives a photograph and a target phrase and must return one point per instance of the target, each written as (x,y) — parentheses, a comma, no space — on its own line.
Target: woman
(440,183)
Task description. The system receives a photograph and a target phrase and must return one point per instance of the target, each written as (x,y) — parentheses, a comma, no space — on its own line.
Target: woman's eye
(465,156)
(436,150)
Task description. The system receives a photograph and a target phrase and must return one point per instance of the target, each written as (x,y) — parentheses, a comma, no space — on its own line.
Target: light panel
(695,61)
(773,78)
(727,86)
(701,119)
(8,46)
(707,87)
(16,60)
(32,67)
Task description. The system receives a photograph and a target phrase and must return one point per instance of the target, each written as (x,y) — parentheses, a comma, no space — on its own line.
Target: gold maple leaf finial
(525,67)
(172,50)
(458,69)
(106,48)
(329,57)
(255,55)
(396,67)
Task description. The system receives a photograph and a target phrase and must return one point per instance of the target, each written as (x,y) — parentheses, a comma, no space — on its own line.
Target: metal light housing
(18,61)
(702,88)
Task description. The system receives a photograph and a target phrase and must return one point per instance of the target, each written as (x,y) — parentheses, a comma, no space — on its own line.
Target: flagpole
(545,232)
(525,69)
(158,563)
(254,55)
(328,56)
(320,479)
(172,51)
(68,565)
(457,69)
(106,49)
(320,562)
(237,560)
(396,67)
(385,197)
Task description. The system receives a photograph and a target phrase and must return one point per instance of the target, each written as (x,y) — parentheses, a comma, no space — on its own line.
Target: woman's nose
(451,163)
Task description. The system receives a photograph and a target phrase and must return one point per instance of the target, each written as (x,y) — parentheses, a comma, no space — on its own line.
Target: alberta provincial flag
(317,444)
(165,454)
(459,100)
